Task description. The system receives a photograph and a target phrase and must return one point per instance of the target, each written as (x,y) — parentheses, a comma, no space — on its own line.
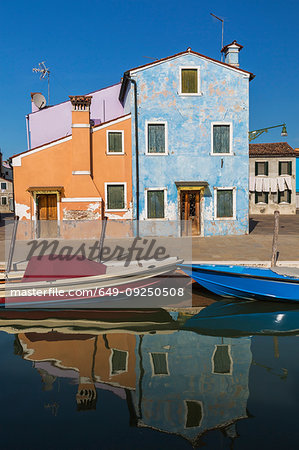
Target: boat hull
(244,282)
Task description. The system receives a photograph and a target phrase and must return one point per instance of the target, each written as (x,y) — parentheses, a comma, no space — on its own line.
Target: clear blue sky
(89,44)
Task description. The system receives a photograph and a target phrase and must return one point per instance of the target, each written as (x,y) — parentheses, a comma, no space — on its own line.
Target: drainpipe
(137,151)
(28,132)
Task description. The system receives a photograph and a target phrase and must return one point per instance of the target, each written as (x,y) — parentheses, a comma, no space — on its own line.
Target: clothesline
(269,184)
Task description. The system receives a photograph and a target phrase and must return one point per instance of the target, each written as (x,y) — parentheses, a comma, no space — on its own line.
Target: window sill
(225,218)
(222,154)
(156,154)
(194,94)
(160,219)
(115,153)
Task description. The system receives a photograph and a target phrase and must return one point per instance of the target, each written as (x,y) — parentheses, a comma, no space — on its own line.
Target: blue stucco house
(190,161)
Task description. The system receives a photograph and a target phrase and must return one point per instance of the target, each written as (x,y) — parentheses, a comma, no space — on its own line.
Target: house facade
(272,178)
(84,175)
(192,124)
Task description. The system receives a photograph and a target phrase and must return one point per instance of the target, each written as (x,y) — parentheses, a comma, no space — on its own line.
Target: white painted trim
(205,58)
(231,153)
(122,142)
(16,161)
(156,122)
(80,199)
(81,172)
(81,125)
(125,195)
(230,357)
(153,367)
(165,201)
(230,188)
(183,94)
(109,124)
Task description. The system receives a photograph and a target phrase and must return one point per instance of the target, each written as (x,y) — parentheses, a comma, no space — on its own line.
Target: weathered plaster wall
(273,205)
(225,99)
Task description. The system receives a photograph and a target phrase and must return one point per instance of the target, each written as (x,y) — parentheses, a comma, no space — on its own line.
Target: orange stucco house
(86,175)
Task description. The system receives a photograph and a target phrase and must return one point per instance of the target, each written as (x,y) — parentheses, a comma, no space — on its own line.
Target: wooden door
(190,211)
(47,215)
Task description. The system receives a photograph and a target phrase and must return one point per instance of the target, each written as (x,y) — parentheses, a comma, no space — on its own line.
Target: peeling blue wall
(225,98)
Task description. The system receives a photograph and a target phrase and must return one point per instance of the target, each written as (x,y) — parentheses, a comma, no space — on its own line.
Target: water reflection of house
(192,383)
(88,360)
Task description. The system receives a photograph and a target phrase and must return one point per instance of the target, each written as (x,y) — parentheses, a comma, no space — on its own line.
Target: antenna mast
(44,72)
(222,26)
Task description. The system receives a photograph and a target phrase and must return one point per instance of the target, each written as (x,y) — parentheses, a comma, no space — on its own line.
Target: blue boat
(245,318)
(251,283)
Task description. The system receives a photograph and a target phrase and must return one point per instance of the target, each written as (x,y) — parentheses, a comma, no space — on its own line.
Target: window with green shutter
(115,196)
(189,81)
(156,138)
(118,361)
(285,168)
(284,196)
(225,203)
(222,360)
(261,197)
(261,168)
(221,139)
(159,361)
(115,142)
(155,204)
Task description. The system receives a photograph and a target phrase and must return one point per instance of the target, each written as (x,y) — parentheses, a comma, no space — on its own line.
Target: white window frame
(183,94)
(153,367)
(125,196)
(156,122)
(4,196)
(110,362)
(230,357)
(231,153)
(122,142)
(4,189)
(165,201)
(229,188)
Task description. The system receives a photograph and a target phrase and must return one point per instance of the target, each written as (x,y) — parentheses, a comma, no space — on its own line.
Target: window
(155,204)
(261,168)
(222,363)
(3,186)
(284,196)
(159,363)
(285,168)
(156,138)
(3,200)
(261,197)
(221,139)
(225,203)
(115,142)
(118,361)
(189,81)
(115,196)
(194,413)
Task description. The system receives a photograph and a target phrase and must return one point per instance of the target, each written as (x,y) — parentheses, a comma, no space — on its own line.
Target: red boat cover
(53,267)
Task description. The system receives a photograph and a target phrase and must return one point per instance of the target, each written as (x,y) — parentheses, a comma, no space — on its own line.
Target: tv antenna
(44,73)
(222,26)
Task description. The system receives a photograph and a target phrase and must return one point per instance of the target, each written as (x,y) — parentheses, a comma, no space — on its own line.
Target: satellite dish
(39,100)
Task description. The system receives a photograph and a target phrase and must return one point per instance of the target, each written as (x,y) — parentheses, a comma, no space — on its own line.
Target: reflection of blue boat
(245,282)
(244,318)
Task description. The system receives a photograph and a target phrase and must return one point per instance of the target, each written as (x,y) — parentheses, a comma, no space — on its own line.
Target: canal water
(145,380)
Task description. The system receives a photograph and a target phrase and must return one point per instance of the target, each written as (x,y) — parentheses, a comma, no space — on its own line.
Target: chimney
(81,149)
(231,53)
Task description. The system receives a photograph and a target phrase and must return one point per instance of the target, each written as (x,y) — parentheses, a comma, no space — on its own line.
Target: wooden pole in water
(275,239)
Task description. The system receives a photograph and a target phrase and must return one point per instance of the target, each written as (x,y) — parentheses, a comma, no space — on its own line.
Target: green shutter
(221,138)
(189,81)
(115,142)
(194,414)
(290,167)
(222,362)
(116,196)
(155,204)
(285,168)
(156,138)
(160,363)
(225,203)
(266,168)
(279,168)
(256,168)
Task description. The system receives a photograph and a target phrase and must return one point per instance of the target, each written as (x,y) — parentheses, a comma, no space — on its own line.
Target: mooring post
(275,239)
